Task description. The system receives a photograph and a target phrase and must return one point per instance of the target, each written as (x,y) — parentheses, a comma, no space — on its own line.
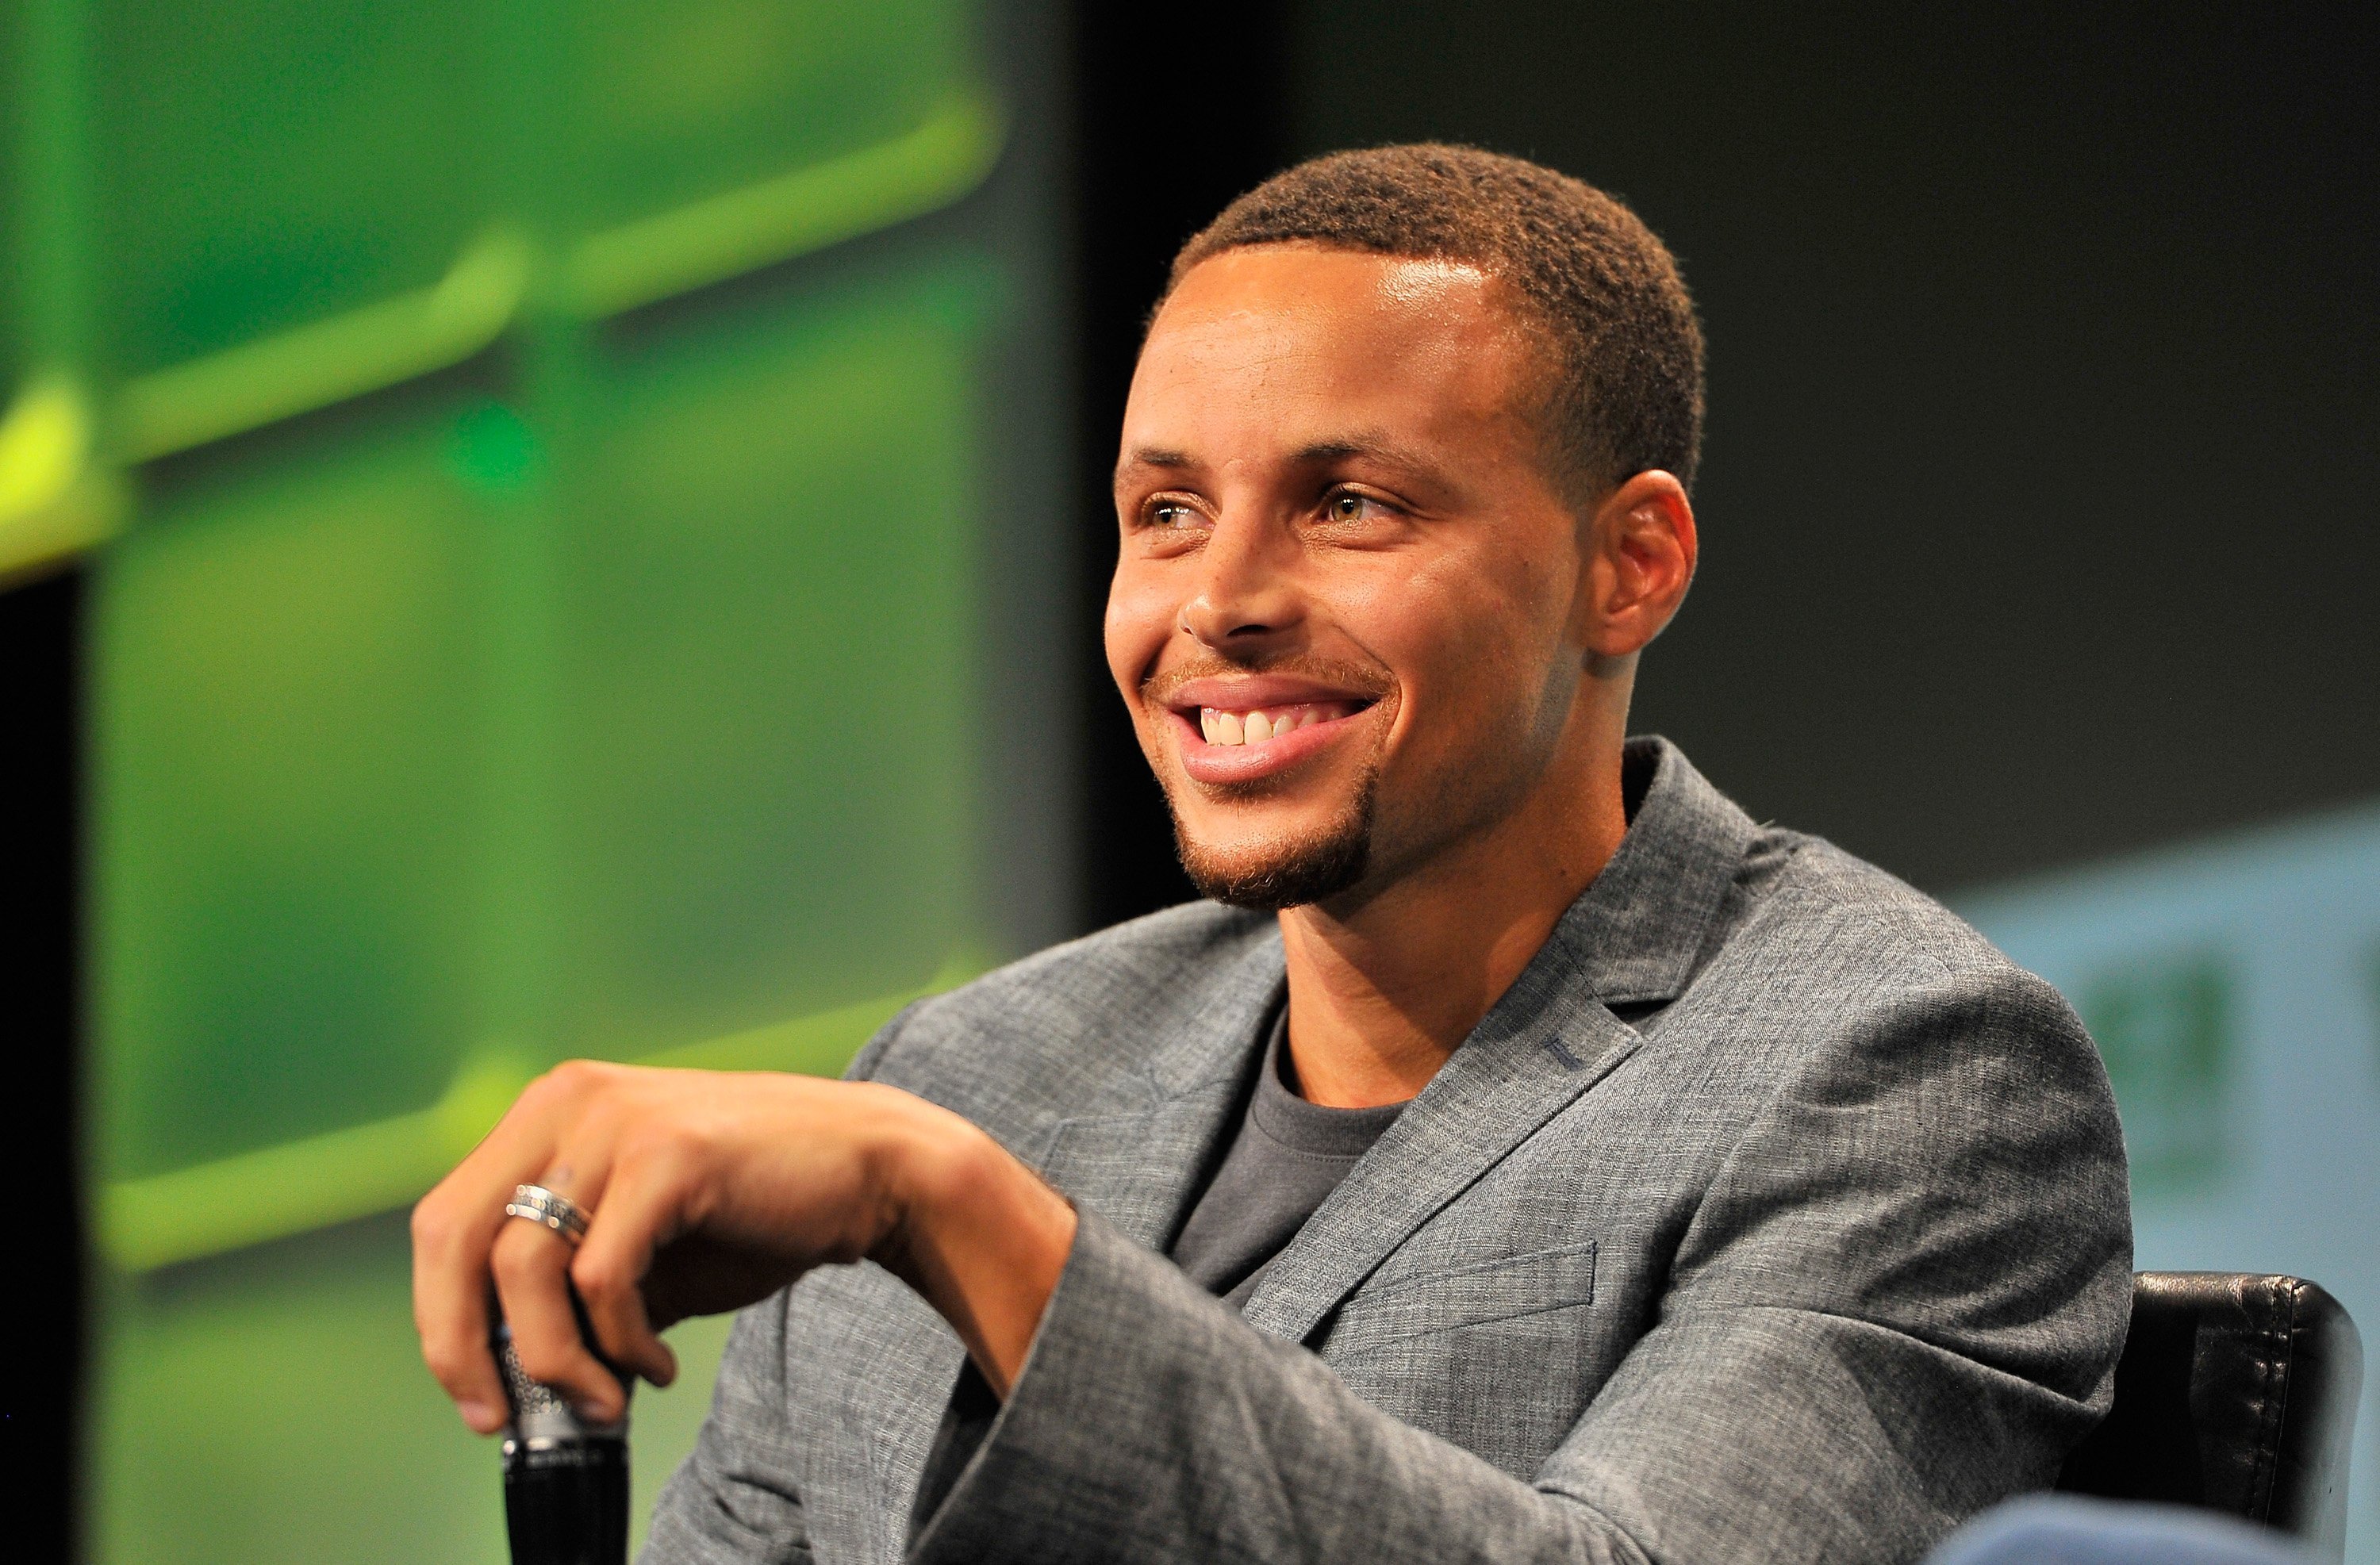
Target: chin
(1290,869)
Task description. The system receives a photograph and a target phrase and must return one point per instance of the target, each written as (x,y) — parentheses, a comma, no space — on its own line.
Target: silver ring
(539,1205)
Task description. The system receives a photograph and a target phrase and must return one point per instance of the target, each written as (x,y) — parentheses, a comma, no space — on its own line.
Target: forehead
(1291,344)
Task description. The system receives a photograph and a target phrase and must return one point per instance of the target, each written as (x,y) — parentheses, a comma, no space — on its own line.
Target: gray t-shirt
(1286,1159)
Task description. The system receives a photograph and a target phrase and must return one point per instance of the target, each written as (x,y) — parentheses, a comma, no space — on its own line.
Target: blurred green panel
(684,101)
(282,699)
(272,1408)
(768,641)
(764,644)
(764,640)
(13,151)
(266,164)
(55,500)
(756,803)
(621,701)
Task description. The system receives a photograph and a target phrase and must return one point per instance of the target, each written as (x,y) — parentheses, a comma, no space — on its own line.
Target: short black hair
(1625,351)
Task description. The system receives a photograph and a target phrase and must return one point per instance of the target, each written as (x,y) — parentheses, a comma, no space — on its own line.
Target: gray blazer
(1772,1215)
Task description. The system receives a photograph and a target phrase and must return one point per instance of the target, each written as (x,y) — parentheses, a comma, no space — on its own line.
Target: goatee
(1289,873)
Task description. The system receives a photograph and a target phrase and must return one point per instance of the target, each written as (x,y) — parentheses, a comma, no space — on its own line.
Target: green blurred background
(538,472)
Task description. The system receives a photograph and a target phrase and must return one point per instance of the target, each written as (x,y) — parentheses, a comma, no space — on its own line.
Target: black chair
(2235,1393)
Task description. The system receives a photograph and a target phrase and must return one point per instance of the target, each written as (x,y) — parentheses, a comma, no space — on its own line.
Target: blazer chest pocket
(1503,1289)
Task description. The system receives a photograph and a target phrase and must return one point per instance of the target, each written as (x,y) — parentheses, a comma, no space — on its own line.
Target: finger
(529,1262)
(644,1206)
(455,1229)
(452,1319)
(532,1265)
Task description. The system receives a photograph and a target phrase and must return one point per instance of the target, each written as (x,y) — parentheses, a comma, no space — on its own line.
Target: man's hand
(707,1191)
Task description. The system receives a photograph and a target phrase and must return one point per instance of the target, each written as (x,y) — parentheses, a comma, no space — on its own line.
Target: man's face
(1342,612)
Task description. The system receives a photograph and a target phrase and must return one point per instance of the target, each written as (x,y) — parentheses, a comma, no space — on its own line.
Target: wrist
(922,1158)
(977,1234)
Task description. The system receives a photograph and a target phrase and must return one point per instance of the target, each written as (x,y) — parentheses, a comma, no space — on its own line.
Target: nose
(1246,592)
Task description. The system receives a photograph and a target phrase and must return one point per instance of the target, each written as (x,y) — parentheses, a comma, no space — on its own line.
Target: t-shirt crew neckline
(1285,1158)
(1309,1129)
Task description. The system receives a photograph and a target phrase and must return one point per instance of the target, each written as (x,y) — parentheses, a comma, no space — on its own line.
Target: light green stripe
(708,241)
(275,1191)
(44,441)
(793,214)
(345,1175)
(313,365)
(54,502)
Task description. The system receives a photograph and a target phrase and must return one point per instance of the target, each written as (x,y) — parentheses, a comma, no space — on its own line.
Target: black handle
(565,1481)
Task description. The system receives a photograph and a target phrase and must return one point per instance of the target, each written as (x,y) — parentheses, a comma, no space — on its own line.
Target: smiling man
(1523,1155)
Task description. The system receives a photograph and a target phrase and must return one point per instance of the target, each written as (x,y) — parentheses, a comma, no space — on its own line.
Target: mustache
(1357,679)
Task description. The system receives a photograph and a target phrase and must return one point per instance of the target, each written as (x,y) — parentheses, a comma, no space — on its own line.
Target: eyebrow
(1374,444)
(1340,450)
(1155,456)
(1377,446)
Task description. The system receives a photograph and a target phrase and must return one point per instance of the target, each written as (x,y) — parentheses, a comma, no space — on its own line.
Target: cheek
(1457,627)
(1513,615)
(1139,620)
(1473,645)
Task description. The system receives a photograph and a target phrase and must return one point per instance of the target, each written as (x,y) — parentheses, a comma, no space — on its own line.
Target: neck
(1382,990)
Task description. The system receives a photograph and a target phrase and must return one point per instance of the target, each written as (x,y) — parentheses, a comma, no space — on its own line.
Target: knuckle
(572,1075)
(600,1278)
(433,1223)
(579,1078)
(560,1084)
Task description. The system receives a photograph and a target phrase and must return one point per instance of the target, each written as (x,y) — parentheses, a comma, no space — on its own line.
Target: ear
(1639,557)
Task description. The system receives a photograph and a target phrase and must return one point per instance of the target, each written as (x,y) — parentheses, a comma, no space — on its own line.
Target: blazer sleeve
(730,1502)
(1900,1298)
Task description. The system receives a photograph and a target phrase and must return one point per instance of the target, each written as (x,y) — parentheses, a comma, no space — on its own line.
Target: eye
(1172,514)
(1347,506)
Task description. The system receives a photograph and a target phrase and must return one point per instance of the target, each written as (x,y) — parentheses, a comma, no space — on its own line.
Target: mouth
(1242,730)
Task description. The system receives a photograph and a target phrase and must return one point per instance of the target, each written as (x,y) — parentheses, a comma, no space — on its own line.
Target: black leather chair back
(2236,1393)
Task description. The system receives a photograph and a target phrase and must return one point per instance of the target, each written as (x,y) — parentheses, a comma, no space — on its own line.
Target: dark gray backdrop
(2039,496)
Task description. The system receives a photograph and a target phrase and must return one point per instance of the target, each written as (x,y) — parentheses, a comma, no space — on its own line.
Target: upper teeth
(1256,726)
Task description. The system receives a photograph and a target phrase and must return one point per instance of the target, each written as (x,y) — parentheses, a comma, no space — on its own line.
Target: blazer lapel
(1140,1168)
(1526,1061)
(1138,1171)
